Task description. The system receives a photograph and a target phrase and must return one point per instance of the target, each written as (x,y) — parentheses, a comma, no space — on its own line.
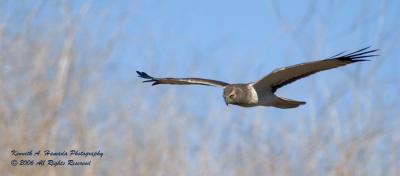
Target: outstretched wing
(283,76)
(180,81)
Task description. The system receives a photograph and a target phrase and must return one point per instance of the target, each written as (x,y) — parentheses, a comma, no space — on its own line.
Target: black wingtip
(357,56)
(148,78)
(139,73)
(143,75)
(360,60)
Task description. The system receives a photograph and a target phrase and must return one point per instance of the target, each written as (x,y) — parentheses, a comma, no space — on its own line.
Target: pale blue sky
(241,41)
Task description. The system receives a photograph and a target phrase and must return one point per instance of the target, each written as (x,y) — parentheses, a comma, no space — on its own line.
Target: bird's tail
(284,103)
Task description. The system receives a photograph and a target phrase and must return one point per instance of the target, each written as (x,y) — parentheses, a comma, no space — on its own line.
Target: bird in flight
(262,92)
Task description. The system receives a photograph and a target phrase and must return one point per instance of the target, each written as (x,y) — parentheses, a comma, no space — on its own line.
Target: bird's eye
(232,96)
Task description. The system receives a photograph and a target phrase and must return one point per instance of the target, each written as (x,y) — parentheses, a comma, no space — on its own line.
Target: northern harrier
(262,92)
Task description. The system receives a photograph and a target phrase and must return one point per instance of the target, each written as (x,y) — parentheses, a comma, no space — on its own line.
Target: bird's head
(232,94)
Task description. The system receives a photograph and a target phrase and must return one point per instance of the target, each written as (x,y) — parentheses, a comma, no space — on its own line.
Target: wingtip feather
(148,78)
(357,55)
(144,75)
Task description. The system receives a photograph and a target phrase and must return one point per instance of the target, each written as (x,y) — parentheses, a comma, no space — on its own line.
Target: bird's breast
(252,96)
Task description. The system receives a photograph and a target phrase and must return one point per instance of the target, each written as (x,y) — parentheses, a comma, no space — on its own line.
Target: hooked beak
(226,101)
